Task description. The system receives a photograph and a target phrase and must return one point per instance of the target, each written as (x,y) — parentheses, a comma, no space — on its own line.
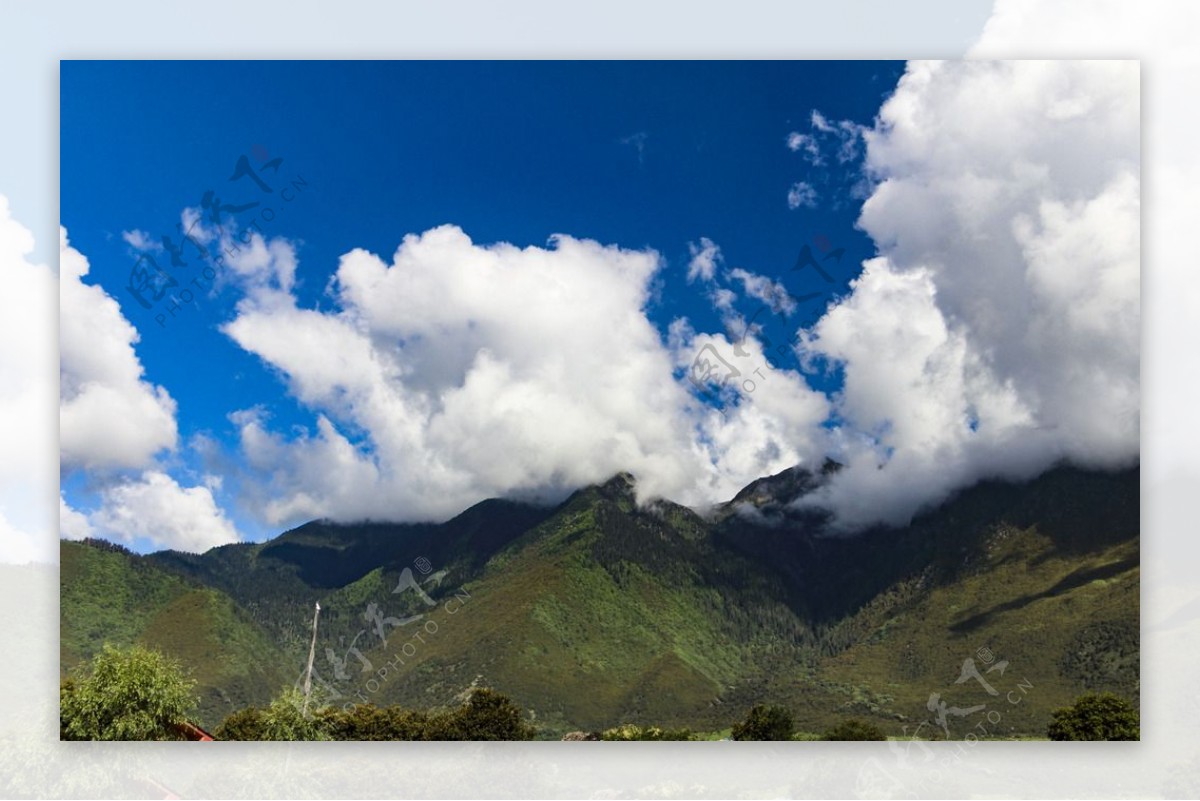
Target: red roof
(193,732)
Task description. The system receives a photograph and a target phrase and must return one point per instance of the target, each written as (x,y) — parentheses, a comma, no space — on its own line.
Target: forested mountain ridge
(598,611)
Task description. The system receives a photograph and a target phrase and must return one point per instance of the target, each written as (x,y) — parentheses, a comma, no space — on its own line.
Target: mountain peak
(622,486)
(623,479)
(779,489)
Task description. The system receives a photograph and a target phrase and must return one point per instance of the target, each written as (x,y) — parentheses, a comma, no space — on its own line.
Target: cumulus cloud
(997,332)
(801,194)
(109,416)
(73,524)
(458,371)
(113,422)
(768,418)
(262,268)
(28,297)
(154,507)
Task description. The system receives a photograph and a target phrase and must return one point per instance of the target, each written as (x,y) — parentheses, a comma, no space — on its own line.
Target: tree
(1096,716)
(487,715)
(765,723)
(283,719)
(126,694)
(287,719)
(244,724)
(855,729)
(369,722)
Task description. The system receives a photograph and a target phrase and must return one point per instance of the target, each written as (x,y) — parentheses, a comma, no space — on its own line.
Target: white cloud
(459,371)
(112,420)
(72,524)
(156,508)
(998,331)
(765,290)
(803,194)
(922,415)
(995,333)
(771,418)
(850,135)
(797,141)
(847,135)
(723,299)
(140,240)
(28,467)
(110,417)
(262,268)
(705,258)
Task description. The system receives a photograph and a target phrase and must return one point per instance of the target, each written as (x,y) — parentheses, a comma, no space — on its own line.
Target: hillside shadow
(1076,579)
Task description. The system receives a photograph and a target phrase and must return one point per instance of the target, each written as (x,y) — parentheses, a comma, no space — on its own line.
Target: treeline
(140,694)
(486,715)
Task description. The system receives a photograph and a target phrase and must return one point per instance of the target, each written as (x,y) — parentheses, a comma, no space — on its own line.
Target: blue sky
(703,181)
(638,154)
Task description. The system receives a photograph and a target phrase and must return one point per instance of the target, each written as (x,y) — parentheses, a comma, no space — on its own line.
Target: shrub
(765,723)
(1096,716)
(126,694)
(630,732)
(244,724)
(284,719)
(287,719)
(369,722)
(487,715)
(855,729)
(806,737)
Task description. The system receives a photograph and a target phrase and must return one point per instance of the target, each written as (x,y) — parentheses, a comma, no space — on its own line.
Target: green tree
(855,729)
(126,694)
(487,715)
(765,723)
(244,724)
(369,722)
(287,719)
(1096,716)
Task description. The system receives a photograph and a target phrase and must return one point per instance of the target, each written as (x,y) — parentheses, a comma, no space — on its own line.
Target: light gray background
(1165,763)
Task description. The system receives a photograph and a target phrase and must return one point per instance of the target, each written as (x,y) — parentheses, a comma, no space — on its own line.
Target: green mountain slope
(277,582)
(598,612)
(109,595)
(604,613)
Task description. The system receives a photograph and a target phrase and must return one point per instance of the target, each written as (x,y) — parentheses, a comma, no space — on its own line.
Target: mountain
(597,611)
(277,582)
(110,595)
